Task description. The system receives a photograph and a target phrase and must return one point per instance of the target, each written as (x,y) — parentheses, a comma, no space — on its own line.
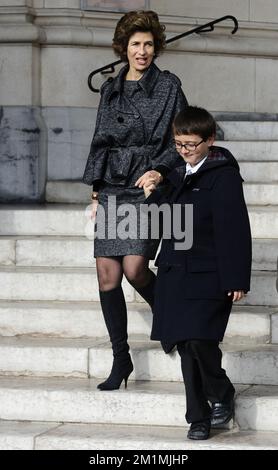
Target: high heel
(118,373)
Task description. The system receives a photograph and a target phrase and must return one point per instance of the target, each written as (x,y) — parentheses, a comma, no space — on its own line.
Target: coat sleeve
(158,198)
(231,231)
(96,161)
(166,158)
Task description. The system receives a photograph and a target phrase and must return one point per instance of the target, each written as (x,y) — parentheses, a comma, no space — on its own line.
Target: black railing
(206,28)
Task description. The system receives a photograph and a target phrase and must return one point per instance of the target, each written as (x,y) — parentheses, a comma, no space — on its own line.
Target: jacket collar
(147,82)
(218,156)
(176,176)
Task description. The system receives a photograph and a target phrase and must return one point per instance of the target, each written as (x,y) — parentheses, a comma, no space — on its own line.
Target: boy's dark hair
(194,120)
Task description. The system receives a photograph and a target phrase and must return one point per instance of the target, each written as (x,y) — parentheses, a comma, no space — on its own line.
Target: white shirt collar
(195,168)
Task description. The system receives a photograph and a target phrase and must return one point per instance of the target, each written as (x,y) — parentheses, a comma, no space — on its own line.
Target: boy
(196,287)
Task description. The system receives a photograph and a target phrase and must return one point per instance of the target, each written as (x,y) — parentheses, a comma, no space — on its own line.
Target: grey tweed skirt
(120,227)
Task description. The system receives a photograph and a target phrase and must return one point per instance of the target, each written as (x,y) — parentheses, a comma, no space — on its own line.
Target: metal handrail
(110,68)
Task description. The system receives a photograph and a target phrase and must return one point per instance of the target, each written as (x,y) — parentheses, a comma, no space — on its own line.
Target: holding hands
(148,181)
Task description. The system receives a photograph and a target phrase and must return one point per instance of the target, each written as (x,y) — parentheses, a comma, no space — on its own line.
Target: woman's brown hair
(134,21)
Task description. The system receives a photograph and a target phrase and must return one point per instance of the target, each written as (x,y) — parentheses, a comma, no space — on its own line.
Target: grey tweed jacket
(126,143)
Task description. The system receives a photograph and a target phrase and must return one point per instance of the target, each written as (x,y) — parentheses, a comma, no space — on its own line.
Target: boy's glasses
(188,146)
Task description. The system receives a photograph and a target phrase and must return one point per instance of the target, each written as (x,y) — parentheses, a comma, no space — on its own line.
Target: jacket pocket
(118,165)
(200,264)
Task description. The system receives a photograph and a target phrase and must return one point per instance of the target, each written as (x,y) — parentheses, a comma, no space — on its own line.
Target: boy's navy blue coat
(192,285)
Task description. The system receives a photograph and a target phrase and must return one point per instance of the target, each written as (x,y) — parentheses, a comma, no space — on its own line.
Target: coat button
(136,116)
(120,119)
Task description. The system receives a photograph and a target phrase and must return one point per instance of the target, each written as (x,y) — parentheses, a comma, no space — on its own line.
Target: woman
(131,146)
(196,286)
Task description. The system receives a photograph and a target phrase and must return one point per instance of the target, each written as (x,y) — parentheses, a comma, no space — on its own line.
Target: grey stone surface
(244,116)
(249,130)
(69,137)
(145,403)
(22,158)
(53,143)
(37,143)
(21,435)
(104,437)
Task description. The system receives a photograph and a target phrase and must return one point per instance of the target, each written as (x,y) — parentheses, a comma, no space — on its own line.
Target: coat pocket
(118,165)
(201,264)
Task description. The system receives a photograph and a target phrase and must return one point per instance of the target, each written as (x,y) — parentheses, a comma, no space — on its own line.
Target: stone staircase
(53,343)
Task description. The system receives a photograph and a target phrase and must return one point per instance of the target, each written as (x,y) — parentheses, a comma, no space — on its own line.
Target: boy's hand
(151,176)
(149,188)
(237,295)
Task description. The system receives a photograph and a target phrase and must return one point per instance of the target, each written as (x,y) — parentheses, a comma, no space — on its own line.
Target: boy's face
(196,149)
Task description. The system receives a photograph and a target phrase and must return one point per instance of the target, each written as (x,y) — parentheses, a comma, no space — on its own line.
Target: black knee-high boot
(115,316)
(147,292)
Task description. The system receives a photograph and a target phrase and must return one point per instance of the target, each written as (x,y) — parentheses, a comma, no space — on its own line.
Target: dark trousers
(204,378)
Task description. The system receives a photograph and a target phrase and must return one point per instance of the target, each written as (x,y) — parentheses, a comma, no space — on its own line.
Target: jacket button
(120,119)
(136,116)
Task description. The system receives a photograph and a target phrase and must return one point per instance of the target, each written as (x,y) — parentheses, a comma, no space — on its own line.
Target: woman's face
(140,51)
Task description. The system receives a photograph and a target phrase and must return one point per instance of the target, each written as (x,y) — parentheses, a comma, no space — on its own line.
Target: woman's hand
(148,178)
(94,209)
(237,295)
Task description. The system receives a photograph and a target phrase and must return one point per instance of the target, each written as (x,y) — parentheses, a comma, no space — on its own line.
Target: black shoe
(199,430)
(221,413)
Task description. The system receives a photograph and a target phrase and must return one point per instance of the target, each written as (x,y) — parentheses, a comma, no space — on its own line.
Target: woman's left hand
(148,178)
(237,295)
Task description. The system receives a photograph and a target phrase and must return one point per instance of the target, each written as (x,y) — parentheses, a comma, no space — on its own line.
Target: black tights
(110,271)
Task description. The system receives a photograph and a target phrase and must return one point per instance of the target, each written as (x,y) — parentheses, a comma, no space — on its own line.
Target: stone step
(93,358)
(249,130)
(244,364)
(264,254)
(70,220)
(81,319)
(19,435)
(142,403)
(261,194)
(250,150)
(45,219)
(80,284)
(16,435)
(263,289)
(264,221)
(78,252)
(76,192)
(45,283)
(257,172)
(248,325)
